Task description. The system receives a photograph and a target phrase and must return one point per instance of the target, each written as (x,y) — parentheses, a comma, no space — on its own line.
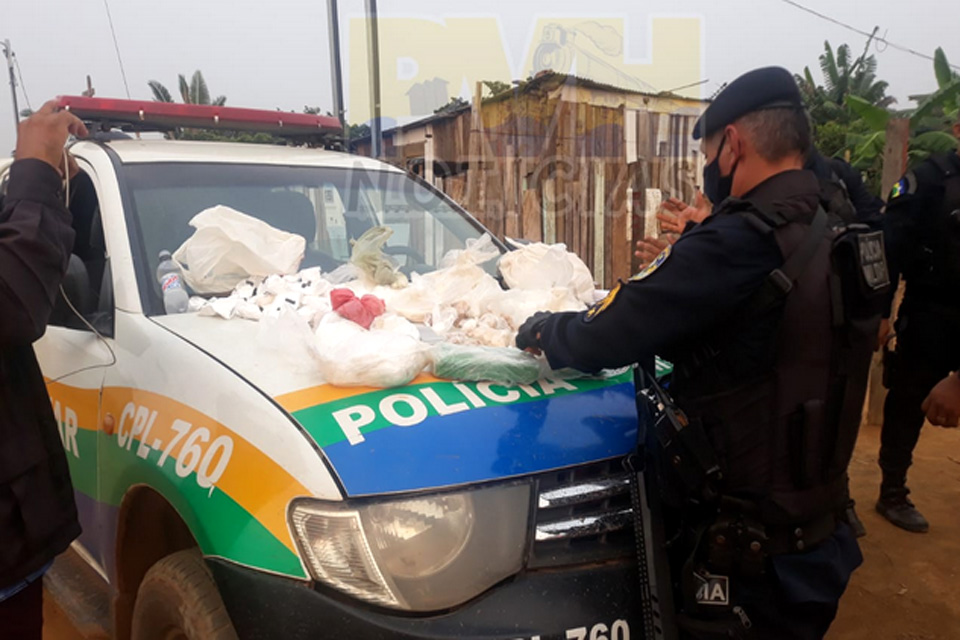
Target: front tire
(178,600)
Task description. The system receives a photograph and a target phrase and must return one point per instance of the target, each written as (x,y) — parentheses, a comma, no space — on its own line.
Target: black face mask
(716,187)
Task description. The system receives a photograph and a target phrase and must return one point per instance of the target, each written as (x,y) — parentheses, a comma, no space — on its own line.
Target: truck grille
(583,515)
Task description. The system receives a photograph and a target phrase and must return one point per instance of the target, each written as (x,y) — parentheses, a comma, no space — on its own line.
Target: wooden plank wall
(543,169)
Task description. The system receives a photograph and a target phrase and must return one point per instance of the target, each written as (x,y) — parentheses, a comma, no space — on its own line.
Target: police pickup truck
(219,493)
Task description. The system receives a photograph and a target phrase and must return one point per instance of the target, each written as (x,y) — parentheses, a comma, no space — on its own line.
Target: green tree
(929,122)
(833,121)
(193,92)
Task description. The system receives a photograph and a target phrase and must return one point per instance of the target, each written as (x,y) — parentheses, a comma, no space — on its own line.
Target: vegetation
(193,92)
(850,110)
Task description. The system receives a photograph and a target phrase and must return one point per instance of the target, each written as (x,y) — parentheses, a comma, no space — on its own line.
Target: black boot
(895,506)
(854,521)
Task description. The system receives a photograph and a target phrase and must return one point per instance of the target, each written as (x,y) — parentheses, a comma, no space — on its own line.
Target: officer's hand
(528,338)
(942,406)
(884,334)
(675,214)
(649,248)
(43,135)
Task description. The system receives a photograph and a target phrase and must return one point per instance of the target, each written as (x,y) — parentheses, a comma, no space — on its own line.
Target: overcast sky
(275,54)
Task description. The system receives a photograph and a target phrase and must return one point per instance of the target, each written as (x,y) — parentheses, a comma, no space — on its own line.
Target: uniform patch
(873,260)
(653,266)
(899,189)
(604,304)
(907,185)
(712,590)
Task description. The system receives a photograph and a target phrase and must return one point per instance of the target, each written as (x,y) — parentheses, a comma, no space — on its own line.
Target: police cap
(766,88)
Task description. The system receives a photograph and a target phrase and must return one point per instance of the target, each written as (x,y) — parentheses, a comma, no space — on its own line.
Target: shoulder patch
(899,189)
(654,265)
(604,304)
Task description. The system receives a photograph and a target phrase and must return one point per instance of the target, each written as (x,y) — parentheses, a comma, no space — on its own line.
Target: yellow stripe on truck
(315,396)
(189,442)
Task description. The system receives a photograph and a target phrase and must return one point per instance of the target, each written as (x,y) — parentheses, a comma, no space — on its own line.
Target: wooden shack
(560,159)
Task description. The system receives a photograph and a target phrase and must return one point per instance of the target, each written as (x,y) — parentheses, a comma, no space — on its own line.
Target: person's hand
(675,214)
(942,406)
(649,248)
(43,135)
(884,334)
(528,338)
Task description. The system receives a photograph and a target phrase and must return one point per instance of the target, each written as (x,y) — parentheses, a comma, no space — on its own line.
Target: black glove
(529,335)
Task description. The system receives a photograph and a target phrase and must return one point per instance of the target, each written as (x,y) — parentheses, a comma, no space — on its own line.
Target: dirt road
(907,587)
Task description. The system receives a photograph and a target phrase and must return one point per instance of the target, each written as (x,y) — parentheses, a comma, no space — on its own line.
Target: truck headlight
(423,553)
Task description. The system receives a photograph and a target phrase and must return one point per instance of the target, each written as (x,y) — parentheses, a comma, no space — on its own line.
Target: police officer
(842,192)
(922,233)
(740,305)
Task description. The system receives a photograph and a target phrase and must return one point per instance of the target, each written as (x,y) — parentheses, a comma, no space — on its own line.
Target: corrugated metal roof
(543,79)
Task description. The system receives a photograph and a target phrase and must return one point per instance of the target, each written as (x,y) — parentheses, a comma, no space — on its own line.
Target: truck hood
(432,433)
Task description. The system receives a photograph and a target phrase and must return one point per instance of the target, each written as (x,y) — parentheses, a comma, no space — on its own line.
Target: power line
(23,87)
(863,33)
(117,48)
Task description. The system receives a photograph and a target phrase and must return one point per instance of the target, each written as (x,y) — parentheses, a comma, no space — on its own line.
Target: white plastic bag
(477,251)
(229,246)
(351,356)
(539,267)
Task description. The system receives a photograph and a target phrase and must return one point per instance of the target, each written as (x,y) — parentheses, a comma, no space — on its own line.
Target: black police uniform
(695,306)
(709,274)
(922,233)
(842,186)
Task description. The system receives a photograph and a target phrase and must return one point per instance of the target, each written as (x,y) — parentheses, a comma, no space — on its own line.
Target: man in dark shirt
(38,517)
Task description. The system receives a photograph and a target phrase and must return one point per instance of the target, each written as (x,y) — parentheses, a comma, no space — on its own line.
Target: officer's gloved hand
(528,338)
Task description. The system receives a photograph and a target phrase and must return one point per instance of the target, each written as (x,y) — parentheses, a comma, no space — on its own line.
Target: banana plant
(927,120)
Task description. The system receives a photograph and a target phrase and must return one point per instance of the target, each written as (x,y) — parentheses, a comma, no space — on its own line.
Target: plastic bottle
(175,297)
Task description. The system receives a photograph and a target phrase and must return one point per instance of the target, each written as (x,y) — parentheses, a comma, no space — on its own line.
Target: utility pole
(336,69)
(8,52)
(373,53)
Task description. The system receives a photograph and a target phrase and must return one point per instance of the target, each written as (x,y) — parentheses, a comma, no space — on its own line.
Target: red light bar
(149,115)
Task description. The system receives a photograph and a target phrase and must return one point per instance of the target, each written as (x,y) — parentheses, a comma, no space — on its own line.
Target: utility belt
(715,540)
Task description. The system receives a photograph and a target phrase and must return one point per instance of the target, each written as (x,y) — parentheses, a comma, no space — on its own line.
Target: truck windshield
(329,207)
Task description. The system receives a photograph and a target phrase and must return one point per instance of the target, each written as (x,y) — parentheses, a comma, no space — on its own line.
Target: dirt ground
(907,588)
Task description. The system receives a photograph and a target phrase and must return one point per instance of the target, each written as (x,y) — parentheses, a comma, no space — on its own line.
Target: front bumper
(596,601)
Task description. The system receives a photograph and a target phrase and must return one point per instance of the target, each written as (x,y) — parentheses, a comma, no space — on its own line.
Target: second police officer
(922,232)
(747,308)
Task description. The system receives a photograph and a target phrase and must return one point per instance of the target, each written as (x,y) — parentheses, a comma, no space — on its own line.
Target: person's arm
(867,205)
(35,242)
(35,232)
(912,199)
(707,275)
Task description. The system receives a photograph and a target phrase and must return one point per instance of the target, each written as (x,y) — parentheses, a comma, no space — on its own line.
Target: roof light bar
(147,115)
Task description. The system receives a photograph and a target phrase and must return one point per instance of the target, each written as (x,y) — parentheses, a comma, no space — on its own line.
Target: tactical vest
(939,271)
(783,426)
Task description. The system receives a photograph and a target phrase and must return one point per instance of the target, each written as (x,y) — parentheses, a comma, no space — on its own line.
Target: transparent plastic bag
(477,252)
(368,256)
(490,364)
(351,356)
(229,246)
(540,267)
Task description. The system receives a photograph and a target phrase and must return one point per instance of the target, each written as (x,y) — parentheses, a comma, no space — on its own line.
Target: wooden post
(894,166)
(474,154)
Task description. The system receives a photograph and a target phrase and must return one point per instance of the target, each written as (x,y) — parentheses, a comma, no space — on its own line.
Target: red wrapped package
(363,311)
